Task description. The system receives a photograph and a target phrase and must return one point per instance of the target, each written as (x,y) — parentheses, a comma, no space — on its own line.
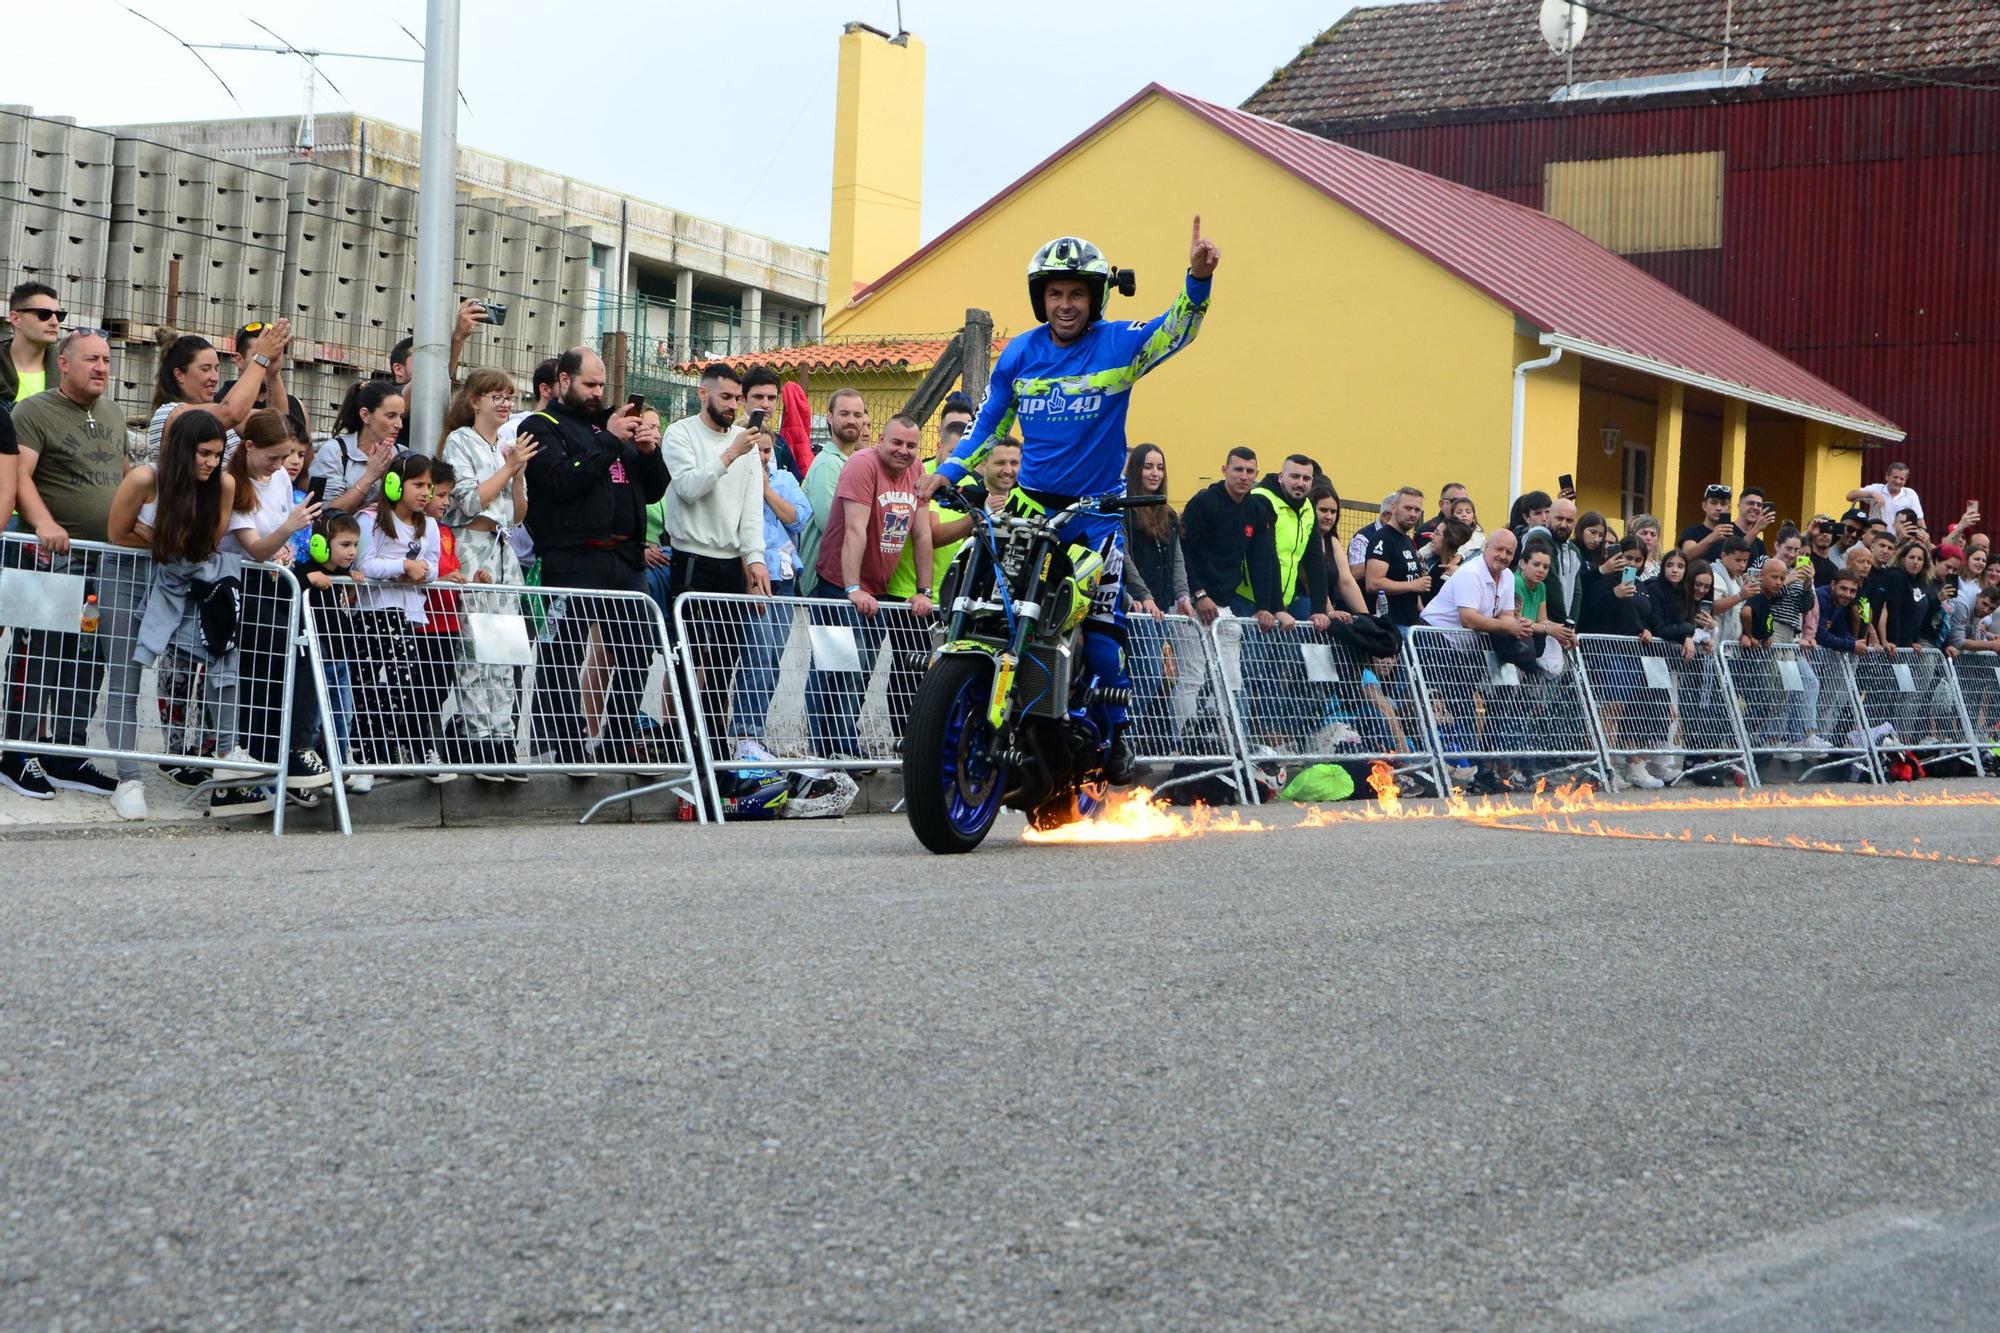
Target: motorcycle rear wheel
(952,785)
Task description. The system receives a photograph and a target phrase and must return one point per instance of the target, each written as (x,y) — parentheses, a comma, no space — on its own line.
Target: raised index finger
(1197,229)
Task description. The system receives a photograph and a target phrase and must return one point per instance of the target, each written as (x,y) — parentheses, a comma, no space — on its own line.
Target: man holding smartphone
(715,521)
(1701,541)
(593,474)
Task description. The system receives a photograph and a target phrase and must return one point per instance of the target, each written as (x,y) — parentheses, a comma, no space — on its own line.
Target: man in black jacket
(591,479)
(1216,529)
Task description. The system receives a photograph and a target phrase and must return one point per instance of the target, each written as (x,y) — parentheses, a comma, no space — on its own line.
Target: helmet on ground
(755,793)
(1068,257)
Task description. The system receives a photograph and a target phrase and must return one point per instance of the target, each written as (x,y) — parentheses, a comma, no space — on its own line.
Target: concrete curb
(401,803)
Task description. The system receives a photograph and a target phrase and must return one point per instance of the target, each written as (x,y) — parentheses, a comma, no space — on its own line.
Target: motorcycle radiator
(1042,680)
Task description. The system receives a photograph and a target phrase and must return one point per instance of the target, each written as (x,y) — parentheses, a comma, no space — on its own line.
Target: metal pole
(437,227)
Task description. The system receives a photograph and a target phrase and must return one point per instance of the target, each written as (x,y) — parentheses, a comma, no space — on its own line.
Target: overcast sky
(685,104)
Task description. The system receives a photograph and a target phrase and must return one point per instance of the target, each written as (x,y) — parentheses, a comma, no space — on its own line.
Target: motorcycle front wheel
(952,785)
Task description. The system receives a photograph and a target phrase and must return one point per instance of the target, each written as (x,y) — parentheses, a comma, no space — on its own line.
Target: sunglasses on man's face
(42,312)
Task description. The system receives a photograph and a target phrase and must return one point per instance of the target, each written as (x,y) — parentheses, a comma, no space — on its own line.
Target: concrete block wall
(196,241)
(55,207)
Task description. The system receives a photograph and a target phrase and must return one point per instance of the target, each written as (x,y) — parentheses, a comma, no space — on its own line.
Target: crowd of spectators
(397,542)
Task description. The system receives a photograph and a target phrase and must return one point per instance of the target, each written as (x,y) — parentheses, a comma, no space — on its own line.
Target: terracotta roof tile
(873,354)
(1451,58)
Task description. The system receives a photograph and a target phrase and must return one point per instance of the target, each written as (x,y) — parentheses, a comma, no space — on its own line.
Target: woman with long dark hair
(1156,586)
(190,372)
(180,504)
(260,524)
(363,444)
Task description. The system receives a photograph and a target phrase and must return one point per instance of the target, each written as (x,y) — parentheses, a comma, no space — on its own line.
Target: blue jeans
(834,698)
(764,639)
(1278,700)
(340,694)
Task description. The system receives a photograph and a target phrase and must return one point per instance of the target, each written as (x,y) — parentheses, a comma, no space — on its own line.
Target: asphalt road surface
(1422,1075)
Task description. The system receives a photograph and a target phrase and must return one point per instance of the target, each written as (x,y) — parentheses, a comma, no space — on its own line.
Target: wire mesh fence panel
(1180,715)
(800,683)
(1800,705)
(1662,708)
(1978,676)
(1521,722)
(500,682)
(1305,696)
(187,670)
(1910,701)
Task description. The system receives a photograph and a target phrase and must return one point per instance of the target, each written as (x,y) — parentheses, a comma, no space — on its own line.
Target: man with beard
(715,518)
(847,422)
(593,474)
(1393,572)
(1567,576)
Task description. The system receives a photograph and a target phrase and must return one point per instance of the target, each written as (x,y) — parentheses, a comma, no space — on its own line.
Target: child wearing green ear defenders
(332,547)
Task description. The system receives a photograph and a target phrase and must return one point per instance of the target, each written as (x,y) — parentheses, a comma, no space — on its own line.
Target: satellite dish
(1563,22)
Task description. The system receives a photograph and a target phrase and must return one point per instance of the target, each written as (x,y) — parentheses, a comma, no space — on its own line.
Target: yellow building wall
(1548,435)
(1325,335)
(1599,479)
(878,158)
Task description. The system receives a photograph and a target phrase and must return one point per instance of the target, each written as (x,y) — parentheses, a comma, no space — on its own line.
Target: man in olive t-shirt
(72,445)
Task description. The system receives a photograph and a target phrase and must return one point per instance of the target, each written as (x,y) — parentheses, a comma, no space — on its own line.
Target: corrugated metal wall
(1861,237)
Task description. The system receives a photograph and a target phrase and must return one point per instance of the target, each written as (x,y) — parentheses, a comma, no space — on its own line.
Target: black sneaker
(304,800)
(226,801)
(22,774)
(184,775)
(78,775)
(307,772)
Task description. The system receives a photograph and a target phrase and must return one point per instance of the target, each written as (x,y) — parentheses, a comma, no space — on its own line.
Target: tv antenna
(313,73)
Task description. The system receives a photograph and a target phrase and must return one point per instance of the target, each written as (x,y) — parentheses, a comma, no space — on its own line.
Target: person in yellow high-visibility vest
(1283,583)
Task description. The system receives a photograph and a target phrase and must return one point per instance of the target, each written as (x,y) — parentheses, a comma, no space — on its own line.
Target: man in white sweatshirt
(715,520)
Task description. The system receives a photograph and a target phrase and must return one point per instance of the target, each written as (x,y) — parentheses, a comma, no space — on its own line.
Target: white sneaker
(232,764)
(1817,744)
(434,763)
(1462,774)
(360,783)
(1788,757)
(1666,769)
(129,801)
(1638,775)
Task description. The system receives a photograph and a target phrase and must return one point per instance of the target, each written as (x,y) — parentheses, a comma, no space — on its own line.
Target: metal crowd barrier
(1654,702)
(1799,704)
(1302,696)
(505,680)
(1978,675)
(1914,694)
(1481,709)
(798,683)
(72,626)
(1182,720)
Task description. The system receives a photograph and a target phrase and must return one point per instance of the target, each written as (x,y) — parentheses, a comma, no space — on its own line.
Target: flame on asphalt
(1577,809)
(1140,816)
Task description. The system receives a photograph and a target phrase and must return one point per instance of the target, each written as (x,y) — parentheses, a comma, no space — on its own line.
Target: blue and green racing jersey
(1070,401)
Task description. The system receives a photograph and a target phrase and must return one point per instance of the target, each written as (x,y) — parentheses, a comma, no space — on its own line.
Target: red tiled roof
(1577,293)
(873,354)
(1450,58)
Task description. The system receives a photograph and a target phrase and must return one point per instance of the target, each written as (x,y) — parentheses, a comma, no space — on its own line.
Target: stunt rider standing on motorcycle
(1067,386)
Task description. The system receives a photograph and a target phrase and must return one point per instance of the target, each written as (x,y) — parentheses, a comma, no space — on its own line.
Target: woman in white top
(191,371)
(400,552)
(488,500)
(259,526)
